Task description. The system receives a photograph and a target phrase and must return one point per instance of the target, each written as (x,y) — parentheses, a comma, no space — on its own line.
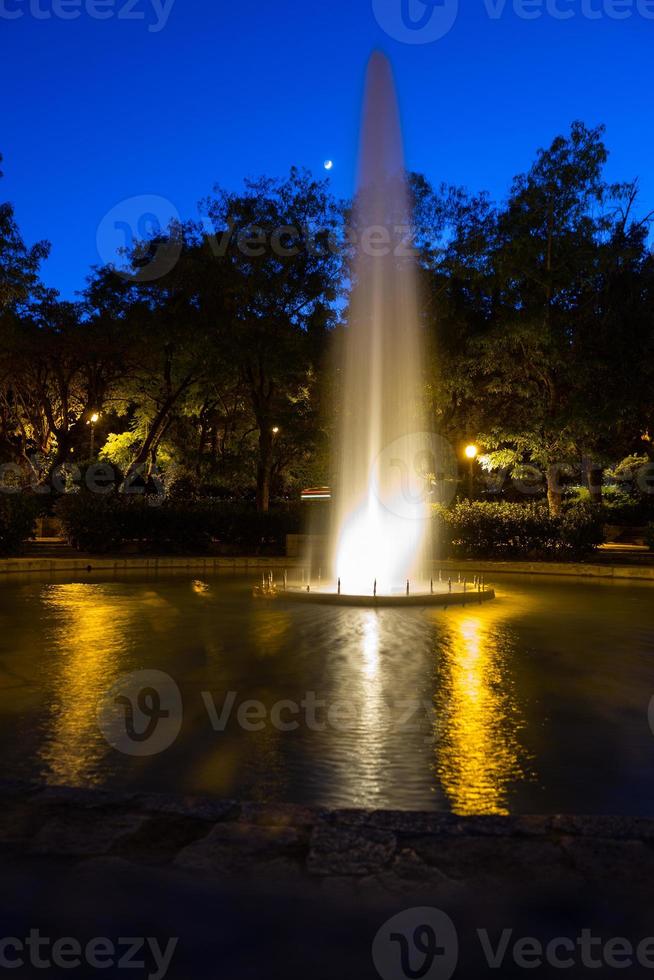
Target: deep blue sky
(97,111)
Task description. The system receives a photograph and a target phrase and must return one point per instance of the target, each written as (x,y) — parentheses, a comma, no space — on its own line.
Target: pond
(535,703)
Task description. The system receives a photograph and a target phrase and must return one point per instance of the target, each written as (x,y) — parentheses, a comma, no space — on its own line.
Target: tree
(281,274)
(19,264)
(533,370)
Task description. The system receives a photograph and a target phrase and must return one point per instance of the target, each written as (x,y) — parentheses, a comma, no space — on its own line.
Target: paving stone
(236,846)
(412,822)
(280,814)
(82,798)
(85,834)
(409,866)
(618,828)
(597,859)
(348,850)
(472,858)
(161,837)
(200,808)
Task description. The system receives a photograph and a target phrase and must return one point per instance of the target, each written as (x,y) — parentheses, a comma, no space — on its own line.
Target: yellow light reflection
(477,715)
(90,632)
(269,626)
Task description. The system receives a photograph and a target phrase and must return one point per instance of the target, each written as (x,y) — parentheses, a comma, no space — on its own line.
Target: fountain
(384,463)
(381,518)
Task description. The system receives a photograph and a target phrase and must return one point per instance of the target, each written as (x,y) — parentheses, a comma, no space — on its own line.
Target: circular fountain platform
(442,599)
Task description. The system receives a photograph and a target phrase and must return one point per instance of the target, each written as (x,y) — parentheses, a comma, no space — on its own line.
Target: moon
(329,164)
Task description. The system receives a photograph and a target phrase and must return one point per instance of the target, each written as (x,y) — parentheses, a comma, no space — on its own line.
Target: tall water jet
(381,507)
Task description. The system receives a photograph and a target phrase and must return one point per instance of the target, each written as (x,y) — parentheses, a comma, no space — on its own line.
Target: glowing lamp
(472,452)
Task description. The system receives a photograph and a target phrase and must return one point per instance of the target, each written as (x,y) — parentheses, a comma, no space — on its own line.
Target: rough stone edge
(51,798)
(378,851)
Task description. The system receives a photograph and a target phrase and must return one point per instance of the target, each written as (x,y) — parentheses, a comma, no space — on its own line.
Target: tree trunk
(147,453)
(554,494)
(264,468)
(201,444)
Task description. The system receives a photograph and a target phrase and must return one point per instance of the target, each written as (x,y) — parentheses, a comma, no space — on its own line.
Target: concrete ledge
(393,850)
(205,563)
(577,569)
(132,562)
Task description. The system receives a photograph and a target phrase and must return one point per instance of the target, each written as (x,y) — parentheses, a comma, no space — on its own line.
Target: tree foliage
(214,374)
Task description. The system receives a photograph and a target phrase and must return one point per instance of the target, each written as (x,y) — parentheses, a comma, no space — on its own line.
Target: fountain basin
(442,599)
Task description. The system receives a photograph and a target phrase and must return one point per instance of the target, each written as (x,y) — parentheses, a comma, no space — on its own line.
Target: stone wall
(399,852)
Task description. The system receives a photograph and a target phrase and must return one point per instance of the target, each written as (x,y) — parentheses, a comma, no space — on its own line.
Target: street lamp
(93,418)
(275,430)
(472,452)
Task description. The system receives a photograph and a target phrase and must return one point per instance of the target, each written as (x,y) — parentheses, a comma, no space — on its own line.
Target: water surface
(537,702)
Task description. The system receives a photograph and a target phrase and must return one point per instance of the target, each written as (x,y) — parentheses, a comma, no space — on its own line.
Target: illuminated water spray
(381,506)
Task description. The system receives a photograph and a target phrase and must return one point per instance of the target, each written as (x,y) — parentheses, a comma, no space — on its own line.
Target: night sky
(98,111)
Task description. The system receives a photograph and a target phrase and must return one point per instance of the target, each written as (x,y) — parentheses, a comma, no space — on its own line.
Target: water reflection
(89,633)
(368,771)
(359,762)
(269,626)
(371,644)
(554,676)
(478,716)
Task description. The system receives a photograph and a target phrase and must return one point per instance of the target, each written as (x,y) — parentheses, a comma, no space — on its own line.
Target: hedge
(507,530)
(100,524)
(18,513)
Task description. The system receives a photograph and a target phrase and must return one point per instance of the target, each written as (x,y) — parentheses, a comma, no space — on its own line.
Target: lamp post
(93,418)
(472,452)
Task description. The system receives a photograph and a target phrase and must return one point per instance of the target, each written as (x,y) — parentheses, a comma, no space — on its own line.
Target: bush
(100,524)
(620,507)
(507,530)
(18,512)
